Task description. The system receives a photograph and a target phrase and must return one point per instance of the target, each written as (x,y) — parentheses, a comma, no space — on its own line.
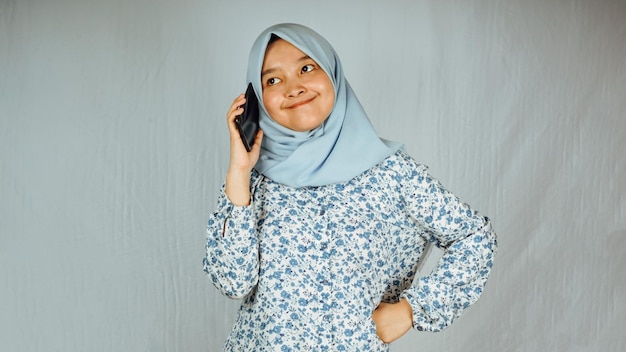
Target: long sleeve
(469,244)
(232,258)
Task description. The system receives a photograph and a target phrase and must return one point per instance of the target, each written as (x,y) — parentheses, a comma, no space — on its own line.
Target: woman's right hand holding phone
(241,161)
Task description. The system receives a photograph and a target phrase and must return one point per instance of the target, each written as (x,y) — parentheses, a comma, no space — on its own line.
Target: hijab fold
(342,147)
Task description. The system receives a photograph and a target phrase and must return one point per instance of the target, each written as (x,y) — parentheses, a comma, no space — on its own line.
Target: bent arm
(456,283)
(469,245)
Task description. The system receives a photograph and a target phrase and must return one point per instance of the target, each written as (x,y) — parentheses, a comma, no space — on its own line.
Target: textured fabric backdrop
(113,146)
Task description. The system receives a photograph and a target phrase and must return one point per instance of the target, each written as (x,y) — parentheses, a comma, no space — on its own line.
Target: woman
(320,227)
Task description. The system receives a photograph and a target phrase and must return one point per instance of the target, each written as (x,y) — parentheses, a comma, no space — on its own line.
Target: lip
(300,103)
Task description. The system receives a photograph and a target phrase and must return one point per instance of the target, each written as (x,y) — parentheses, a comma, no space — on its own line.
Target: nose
(295,88)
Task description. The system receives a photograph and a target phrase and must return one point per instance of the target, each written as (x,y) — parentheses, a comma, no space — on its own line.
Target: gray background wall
(113,145)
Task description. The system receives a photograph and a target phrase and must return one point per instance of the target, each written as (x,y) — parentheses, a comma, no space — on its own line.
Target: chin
(308,127)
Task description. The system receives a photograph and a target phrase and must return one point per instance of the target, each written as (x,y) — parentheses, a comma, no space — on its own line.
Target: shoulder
(400,166)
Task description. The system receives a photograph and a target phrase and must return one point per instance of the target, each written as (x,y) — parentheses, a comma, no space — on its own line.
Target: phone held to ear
(248,122)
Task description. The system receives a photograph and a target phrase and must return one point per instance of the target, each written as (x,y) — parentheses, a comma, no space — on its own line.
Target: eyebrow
(273,69)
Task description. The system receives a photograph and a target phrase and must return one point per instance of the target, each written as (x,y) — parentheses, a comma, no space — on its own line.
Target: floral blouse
(311,264)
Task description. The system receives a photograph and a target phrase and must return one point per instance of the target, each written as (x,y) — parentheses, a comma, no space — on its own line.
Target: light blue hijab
(344,146)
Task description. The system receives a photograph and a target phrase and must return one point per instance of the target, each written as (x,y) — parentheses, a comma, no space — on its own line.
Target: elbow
(491,244)
(231,284)
(235,289)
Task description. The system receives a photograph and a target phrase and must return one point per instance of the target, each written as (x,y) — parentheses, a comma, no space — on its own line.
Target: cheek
(270,102)
(329,94)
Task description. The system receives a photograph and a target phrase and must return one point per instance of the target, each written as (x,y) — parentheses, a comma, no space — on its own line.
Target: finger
(257,141)
(236,108)
(238,102)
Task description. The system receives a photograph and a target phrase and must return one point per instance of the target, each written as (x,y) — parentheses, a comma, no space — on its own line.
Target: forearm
(457,281)
(238,186)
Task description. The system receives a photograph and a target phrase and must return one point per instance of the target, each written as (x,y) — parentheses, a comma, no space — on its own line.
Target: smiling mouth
(300,103)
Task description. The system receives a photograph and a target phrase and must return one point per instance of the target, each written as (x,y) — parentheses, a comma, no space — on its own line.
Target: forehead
(281,51)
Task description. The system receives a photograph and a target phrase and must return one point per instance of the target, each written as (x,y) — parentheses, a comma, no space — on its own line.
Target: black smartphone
(248,122)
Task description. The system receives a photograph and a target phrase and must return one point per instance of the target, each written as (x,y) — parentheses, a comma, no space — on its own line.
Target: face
(297,93)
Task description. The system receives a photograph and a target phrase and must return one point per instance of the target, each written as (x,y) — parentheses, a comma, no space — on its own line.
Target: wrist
(407,312)
(238,171)
(238,187)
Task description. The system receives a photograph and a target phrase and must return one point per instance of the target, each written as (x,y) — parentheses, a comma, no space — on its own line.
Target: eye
(308,68)
(272,81)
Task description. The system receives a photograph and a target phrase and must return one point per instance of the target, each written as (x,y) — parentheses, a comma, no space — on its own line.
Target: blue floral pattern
(311,264)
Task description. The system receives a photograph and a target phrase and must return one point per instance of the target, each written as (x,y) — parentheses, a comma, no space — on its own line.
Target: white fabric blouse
(312,263)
